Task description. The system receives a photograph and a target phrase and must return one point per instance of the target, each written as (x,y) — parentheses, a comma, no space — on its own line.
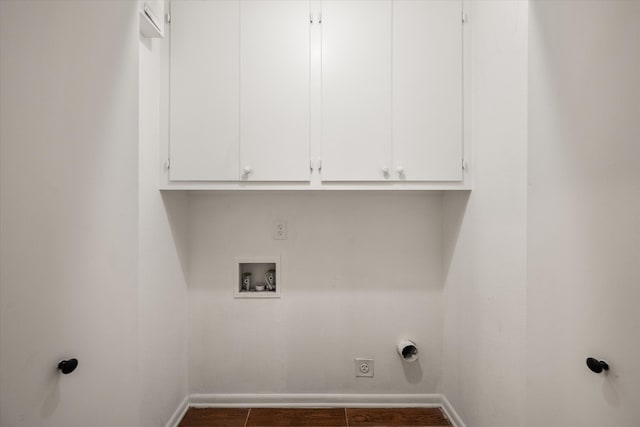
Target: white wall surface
(359,272)
(485,247)
(584,213)
(68,212)
(162,286)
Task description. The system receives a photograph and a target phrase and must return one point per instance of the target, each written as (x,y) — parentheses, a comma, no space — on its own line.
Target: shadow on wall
(52,397)
(454,208)
(609,391)
(412,371)
(176,207)
(349,242)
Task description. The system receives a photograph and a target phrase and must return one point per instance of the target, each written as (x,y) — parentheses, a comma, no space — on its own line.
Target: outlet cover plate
(363,367)
(280,229)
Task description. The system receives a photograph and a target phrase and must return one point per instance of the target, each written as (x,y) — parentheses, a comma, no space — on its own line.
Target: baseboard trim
(451,413)
(178,413)
(315,400)
(292,400)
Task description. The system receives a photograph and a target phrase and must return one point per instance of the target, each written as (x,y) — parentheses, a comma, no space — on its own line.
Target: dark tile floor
(314,417)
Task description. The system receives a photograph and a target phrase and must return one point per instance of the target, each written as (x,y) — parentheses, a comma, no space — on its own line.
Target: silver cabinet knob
(246,170)
(400,170)
(385,171)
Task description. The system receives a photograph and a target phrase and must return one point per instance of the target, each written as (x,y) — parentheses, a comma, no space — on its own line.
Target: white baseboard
(179,413)
(451,413)
(292,400)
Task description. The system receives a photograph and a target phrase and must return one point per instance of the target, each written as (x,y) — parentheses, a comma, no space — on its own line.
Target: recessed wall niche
(257,277)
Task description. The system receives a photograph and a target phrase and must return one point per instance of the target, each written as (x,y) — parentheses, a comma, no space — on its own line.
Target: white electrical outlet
(363,367)
(280,230)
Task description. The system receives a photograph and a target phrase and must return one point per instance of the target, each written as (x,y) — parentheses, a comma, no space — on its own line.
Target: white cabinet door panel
(427,89)
(356,89)
(274,90)
(204,94)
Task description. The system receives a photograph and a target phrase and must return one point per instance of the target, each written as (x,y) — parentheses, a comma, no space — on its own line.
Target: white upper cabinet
(392,90)
(427,90)
(204,90)
(274,90)
(356,90)
(370,90)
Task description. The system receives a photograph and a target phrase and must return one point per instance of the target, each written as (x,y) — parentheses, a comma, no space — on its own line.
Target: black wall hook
(596,365)
(68,366)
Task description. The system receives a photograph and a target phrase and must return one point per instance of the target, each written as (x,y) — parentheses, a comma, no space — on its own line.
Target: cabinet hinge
(316,164)
(464,17)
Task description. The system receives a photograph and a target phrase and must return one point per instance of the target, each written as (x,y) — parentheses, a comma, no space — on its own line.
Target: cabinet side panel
(427,89)
(205,81)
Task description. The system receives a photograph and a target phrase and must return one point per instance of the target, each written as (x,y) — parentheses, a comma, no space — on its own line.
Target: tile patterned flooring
(314,417)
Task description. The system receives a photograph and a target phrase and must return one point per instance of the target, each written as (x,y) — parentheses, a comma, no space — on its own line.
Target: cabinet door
(204,94)
(356,90)
(427,90)
(274,94)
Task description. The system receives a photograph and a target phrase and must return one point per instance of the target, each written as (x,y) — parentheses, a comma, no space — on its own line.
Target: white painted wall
(584,213)
(485,246)
(360,270)
(162,257)
(80,227)
(68,212)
